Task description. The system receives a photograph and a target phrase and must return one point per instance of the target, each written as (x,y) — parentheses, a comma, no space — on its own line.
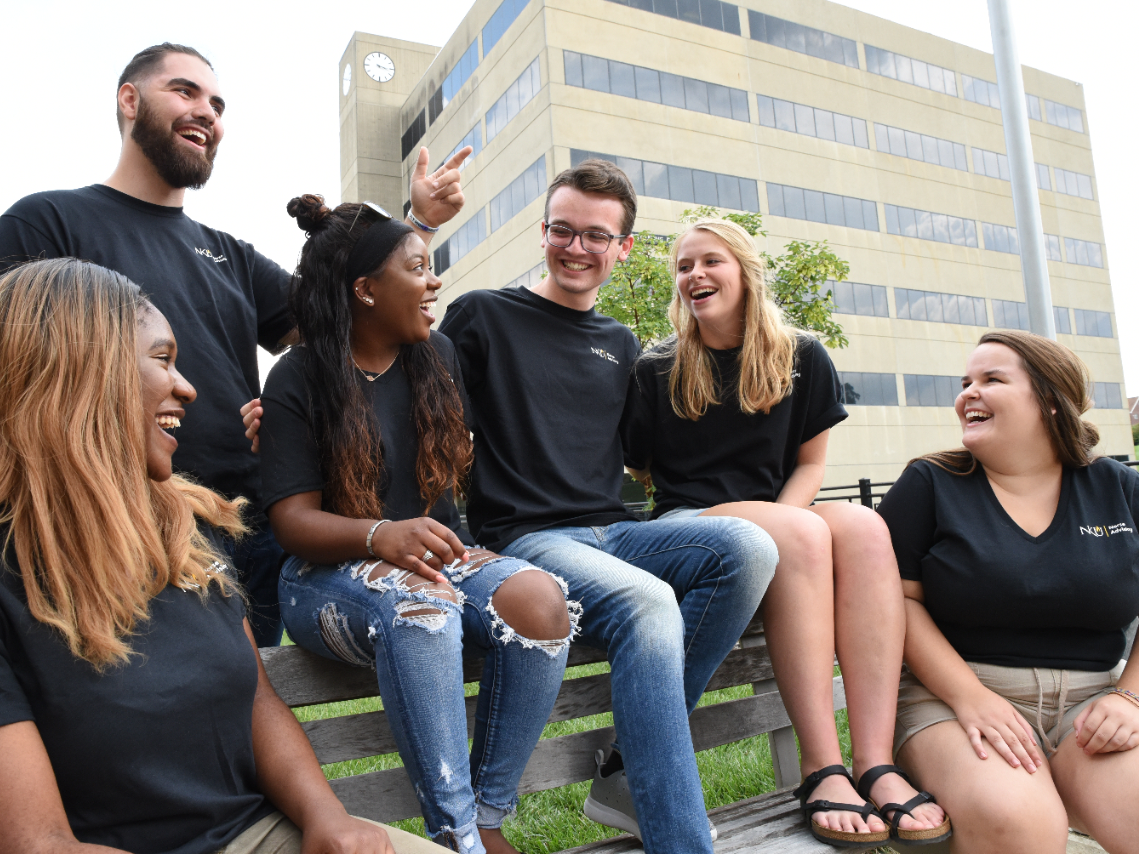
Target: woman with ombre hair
(731,417)
(134,711)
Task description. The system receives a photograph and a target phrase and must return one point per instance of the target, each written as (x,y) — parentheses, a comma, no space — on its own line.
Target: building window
(913,71)
(1000,238)
(529,279)
(802,39)
(660,87)
(467,237)
(1063,319)
(814,206)
(908,222)
(1073,184)
(1083,252)
(982,92)
(937,307)
(1010,315)
(680,184)
(1096,324)
(930,390)
(1052,247)
(517,95)
(413,134)
(1065,117)
(502,18)
(1042,180)
(707,13)
(991,164)
(856,298)
(454,81)
(1108,396)
(520,192)
(474,140)
(859,388)
(920,146)
(811,121)
(1033,105)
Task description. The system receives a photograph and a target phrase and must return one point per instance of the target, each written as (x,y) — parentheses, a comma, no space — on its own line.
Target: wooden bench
(769,822)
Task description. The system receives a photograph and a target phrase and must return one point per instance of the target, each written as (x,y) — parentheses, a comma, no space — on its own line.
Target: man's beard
(176,166)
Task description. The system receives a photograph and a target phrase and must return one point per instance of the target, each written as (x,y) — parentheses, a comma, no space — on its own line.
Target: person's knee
(1011,818)
(805,544)
(532,603)
(420,602)
(752,549)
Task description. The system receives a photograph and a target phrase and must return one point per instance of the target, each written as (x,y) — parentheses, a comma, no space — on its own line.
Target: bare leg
(798,620)
(996,809)
(870,629)
(1100,793)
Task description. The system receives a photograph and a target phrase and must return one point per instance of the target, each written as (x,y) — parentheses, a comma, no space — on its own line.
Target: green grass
(552,820)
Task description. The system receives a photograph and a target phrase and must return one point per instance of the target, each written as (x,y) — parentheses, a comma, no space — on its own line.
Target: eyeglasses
(596,242)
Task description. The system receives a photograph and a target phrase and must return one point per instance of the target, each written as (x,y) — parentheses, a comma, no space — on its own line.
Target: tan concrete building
(836,125)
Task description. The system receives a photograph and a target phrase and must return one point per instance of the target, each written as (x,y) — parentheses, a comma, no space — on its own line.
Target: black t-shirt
(726,455)
(1060,600)
(221,297)
(290,455)
(152,756)
(546,384)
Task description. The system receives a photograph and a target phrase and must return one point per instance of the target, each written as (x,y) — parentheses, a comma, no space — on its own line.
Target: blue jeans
(256,558)
(335,611)
(668,600)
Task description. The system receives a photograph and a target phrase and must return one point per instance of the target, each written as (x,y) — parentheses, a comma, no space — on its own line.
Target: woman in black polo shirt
(1020,564)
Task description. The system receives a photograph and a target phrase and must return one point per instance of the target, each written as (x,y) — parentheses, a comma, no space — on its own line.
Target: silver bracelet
(422,226)
(372,530)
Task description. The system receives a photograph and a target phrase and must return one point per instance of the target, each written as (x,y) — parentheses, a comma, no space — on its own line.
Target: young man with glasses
(547,378)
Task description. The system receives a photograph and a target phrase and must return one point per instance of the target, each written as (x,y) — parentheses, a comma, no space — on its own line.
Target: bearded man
(221,296)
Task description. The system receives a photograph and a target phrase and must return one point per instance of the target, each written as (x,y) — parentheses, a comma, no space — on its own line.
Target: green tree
(640,289)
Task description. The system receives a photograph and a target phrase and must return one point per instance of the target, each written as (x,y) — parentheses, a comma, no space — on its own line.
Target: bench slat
(388,795)
(369,734)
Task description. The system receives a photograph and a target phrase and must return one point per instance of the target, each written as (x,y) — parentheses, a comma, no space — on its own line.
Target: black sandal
(929,836)
(838,838)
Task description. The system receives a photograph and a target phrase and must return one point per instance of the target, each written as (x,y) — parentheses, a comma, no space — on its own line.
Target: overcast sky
(278,68)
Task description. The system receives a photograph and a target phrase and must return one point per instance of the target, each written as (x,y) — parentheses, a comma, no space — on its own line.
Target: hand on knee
(532,603)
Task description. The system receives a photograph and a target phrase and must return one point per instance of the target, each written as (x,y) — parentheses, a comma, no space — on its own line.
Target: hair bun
(309,211)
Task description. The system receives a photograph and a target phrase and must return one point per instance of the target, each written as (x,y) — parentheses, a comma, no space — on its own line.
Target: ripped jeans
(337,612)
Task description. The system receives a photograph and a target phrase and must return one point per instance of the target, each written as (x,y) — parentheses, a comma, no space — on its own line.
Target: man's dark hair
(143,64)
(599,176)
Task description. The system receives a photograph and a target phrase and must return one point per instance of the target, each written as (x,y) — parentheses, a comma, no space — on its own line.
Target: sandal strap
(865,810)
(866,781)
(906,809)
(812,780)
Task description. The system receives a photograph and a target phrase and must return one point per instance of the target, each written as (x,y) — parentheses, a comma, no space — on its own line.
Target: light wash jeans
(668,600)
(335,611)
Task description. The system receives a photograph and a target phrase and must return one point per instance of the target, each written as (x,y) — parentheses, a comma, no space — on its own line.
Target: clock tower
(377,74)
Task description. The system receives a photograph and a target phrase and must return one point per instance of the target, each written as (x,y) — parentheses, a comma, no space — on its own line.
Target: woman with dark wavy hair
(1019,556)
(363,441)
(135,714)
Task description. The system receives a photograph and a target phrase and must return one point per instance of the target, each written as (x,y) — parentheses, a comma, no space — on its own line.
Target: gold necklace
(373,377)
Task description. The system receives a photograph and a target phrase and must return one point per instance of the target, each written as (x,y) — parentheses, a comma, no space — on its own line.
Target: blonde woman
(730,417)
(134,711)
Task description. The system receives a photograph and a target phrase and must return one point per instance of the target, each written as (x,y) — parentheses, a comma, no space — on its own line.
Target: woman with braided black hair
(363,441)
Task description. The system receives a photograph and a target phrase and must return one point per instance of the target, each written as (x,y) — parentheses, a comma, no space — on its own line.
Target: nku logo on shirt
(1107,530)
(217,259)
(604,354)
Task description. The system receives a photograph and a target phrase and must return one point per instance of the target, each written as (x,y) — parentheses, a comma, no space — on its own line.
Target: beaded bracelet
(1128,695)
(372,530)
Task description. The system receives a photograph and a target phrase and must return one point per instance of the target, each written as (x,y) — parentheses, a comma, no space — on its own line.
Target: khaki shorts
(275,834)
(1050,700)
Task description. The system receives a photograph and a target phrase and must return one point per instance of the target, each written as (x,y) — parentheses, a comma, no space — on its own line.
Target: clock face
(379,67)
(347,77)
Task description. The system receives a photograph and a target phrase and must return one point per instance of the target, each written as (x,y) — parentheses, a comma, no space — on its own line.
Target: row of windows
(468,236)
(984,93)
(1000,238)
(660,87)
(1064,116)
(924,74)
(707,13)
(413,134)
(940,308)
(797,203)
(920,146)
(680,184)
(994,165)
(860,388)
(857,298)
(1083,252)
(517,95)
(502,18)
(943,228)
(811,121)
(529,279)
(1014,315)
(1093,323)
(454,81)
(474,140)
(1073,184)
(802,39)
(518,193)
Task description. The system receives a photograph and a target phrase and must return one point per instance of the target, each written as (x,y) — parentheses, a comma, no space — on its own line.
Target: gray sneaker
(610,802)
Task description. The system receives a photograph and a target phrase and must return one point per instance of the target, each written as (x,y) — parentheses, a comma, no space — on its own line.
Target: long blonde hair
(94,538)
(767,356)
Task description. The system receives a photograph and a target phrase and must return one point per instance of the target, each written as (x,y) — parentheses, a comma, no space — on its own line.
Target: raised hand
(436,198)
(985,713)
